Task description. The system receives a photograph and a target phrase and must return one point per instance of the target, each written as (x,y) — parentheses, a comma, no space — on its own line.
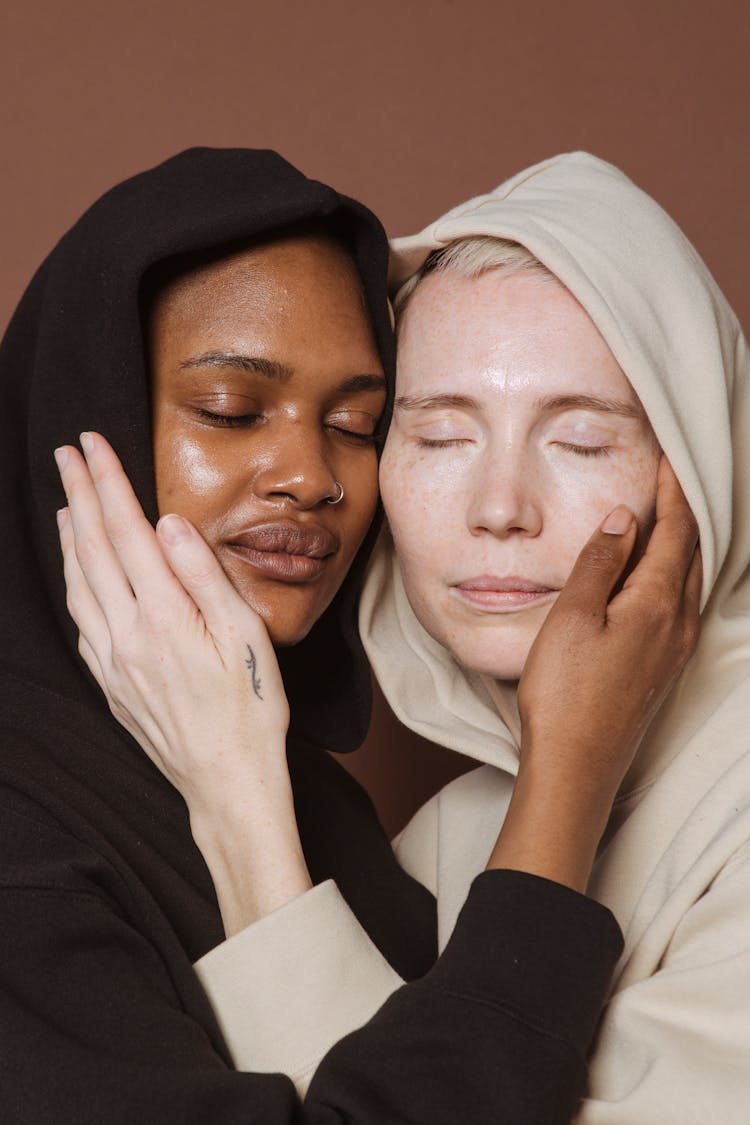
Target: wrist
(253,852)
(580,776)
(553,825)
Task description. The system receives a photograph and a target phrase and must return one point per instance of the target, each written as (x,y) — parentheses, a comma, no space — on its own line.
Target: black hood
(73,358)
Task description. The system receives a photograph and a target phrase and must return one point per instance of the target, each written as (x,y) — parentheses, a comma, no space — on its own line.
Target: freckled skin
(520,485)
(297,302)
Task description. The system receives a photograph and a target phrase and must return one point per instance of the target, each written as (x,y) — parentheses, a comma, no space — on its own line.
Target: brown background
(410,105)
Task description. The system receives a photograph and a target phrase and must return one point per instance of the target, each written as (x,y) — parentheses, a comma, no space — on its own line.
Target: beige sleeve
(287,988)
(674,1049)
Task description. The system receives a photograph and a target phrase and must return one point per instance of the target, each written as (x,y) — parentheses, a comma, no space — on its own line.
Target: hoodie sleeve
(96,1024)
(287,988)
(674,1046)
(497,1030)
(311,957)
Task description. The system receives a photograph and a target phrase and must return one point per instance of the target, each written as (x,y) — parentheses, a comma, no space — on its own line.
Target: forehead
(293,264)
(295,294)
(509,330)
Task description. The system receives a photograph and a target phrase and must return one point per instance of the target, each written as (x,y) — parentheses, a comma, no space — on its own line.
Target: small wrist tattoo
(252,664)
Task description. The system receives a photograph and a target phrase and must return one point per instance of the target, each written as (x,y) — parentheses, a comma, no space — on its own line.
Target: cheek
(416,495)
(586,498)
(187,475)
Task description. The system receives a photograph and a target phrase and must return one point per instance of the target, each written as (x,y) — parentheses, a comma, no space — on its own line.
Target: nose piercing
(339,498)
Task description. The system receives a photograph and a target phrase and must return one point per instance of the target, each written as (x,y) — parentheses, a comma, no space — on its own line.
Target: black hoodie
(105,901)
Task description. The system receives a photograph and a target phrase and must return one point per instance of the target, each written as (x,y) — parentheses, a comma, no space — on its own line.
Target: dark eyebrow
(270,368)
(424,402)
(358,383)
(281,372)
(556,403)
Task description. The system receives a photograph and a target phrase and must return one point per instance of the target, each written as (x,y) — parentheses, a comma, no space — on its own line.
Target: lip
(285,550)
(503,594)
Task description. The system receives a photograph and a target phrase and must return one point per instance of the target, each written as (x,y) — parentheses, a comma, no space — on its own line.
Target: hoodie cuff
(539,950)
(285,989)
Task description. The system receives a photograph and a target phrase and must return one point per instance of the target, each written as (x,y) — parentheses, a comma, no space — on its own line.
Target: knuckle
(200,575)
(685,525)
(123,650)
(666,596)
(601,556)
(73,605)
(118,526)
(103,471)
(118,711)
(87,549)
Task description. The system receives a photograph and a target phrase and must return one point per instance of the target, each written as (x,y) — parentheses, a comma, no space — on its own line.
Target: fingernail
(62,517)
(87,443)
(61,456)
(174,529)
(618,521)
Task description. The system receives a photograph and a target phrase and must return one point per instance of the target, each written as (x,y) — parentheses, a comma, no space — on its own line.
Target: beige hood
(680,345)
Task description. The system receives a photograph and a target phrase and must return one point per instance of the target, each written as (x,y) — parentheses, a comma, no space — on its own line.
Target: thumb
(197,569)
(600,564)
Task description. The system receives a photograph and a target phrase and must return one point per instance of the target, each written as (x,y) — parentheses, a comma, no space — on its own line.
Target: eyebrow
(280,372)
(363,383)
(425,402)
(556,403)
(549,403)
(258,365)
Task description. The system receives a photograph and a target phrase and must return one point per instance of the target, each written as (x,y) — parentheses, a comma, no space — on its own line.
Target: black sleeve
(93,1028)
(499,1029)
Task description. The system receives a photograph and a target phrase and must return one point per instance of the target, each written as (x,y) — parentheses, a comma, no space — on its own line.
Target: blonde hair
(472,257)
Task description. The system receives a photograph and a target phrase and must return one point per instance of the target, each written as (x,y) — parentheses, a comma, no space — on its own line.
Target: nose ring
(340,497)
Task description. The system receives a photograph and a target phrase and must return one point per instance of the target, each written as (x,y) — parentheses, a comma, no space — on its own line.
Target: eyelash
(352,435)
(579,450)
(236,421)
(440,443)
(228,420)
(586,450)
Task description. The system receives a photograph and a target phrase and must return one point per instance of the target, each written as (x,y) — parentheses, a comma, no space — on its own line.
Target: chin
(496,657)
(288,613)
(285,633)
(507,672)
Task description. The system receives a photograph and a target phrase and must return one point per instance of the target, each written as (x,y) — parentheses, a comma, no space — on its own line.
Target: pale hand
(188,669)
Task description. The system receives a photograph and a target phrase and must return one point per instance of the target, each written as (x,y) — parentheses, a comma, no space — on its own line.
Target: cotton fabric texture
(674,865)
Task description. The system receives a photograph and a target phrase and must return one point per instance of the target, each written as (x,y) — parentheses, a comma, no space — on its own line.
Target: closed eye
(227,420)
(355,435)
(441,443)
(586,450)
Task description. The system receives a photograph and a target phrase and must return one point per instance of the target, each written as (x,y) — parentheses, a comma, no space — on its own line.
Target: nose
(506,495)
(296,469)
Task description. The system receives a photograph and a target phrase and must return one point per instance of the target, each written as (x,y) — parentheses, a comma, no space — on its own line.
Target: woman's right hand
(595,677)
(188,669)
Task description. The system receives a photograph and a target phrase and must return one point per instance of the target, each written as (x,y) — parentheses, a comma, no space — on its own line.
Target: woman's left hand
(605,659)
(594,679)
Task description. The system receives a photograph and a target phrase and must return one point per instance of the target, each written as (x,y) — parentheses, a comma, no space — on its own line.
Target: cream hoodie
(674,866)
